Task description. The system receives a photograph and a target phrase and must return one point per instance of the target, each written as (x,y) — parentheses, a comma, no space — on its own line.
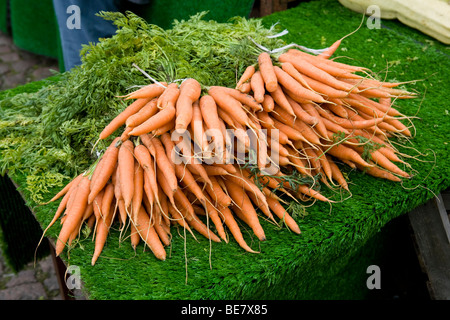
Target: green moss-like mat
(301,266)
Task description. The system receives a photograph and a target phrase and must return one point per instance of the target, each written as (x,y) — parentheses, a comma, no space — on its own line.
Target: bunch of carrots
(298,113)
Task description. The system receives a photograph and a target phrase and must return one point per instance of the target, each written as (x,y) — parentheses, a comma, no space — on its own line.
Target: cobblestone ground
(32,283)
(18,67)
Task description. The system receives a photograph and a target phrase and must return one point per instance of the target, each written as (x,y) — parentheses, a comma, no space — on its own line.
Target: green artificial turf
(328,260)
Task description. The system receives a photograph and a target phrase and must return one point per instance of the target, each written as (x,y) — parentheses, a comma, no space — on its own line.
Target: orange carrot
(186,177)
(217,194)
(119,199)
(257,85)
(146,112)
(149,235)
(298,162)
(305,67)
(183,203)
(324,162)
(190,90)
(176,217)
(378,158)
(268,103)
(264,208)
(211,118)
(229,104)
(337,174)
(290,69)
(126,168)
(276,147)
(212,170)
(103,227)
(313,159)
(307,190)
(147,141)
(320,126)
(228,119)
(247,184)
(126,134)
(91,223)
(227,166)
(387,151)
(169,96)
(245,99)
(150,91)
(149,194)
(330,50)
(320,63)
(192,219)
(246,87)
(169,126)
(356,124)
(295,87)
(158,120)
(282,214)
(159,228)
(379,173)
(122,117)
(233,226)
(280,98)
(164,163)
(63,204)
(365,105)
(197,127)
(301,113)
(297,124)
(138,190)
(181,171)
(107,201)
(212,213)
(208,108)
(246,75)
(164,185)
(244,209)
(267,72)
(144,158)
(265,120)
(104,172)
(97,203)
(202,228)
(192,163)
(134,236)
(323,88)
(164,207)
(290,131)
(342,152)
(399,126)
(74,215)
(337,108)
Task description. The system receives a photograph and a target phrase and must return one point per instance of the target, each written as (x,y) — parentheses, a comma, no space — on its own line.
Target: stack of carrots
(298,113)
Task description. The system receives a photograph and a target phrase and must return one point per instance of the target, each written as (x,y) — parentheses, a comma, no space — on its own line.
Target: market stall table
(327,260)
